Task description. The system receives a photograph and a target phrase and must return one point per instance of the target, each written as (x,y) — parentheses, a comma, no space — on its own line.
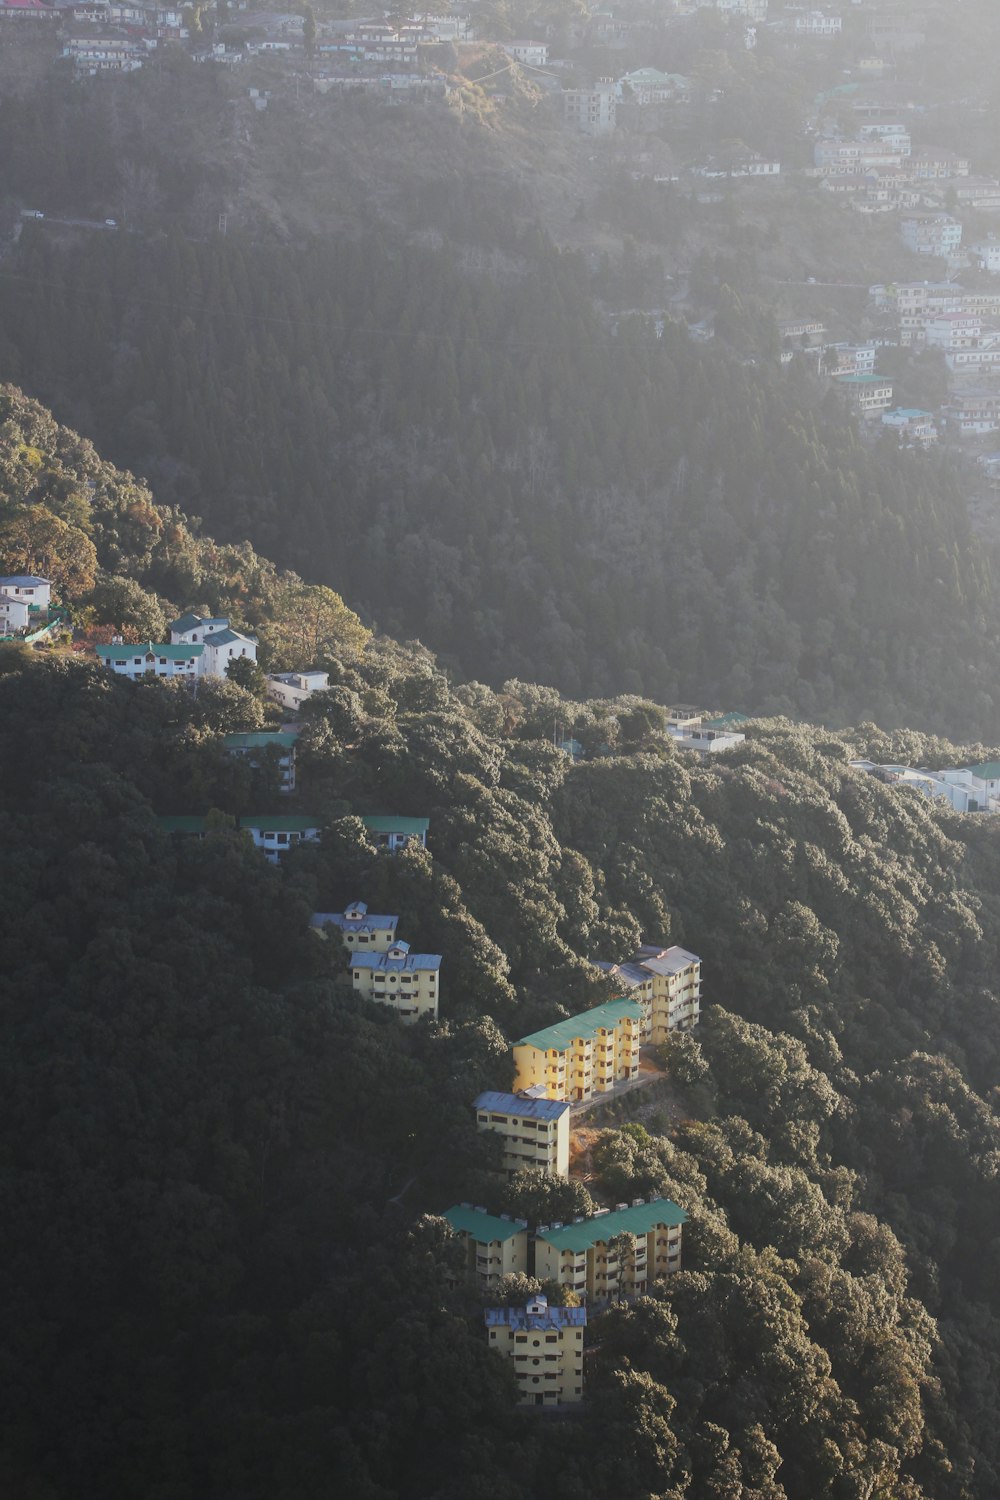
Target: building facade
(584,1055)
(359,930)
(546,1346)
(666,982)
(408,982)
(291,689)
(494,1247)
(619,1252)
(255,745)
(535,1132)
(592,111)
(161,660)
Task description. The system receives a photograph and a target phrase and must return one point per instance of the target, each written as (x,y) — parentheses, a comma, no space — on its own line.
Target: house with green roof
(255,745)
(162,660)
(587,1054)
(392,832)
(620,1251)
(272,834)
(494,1247)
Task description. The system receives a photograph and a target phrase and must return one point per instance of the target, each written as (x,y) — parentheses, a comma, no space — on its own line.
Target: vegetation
(223,1270)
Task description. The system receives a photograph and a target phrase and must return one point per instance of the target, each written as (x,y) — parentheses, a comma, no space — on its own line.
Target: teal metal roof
(485,1227)
(129,652)
(987,770)
(638,1220)
(279,823)
(386,823)
(260,739)
(587,1024)
(725,721)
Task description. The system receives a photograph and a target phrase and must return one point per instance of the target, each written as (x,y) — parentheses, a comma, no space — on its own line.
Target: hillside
(218,1277)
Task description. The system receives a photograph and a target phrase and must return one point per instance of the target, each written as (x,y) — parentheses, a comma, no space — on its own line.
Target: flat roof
(587,1024)
(481,1226)
(526,1109)
(638,1220)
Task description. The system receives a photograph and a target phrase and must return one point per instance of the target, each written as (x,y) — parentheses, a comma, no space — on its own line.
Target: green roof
(279,823)
(484,1227)
(638,1220)
(988,770)
(587,1024)
(260,739)
(146,648)
(725,721)
(386,823)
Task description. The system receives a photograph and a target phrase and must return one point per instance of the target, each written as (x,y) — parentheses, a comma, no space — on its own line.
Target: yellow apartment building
(406,981)
(581,1255)
(493,1247)
(546,1345)
(585,1055)
(667,984)
(359,929)
(535,1132)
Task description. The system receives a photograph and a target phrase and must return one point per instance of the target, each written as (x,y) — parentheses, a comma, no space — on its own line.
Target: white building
(276,835)
(987,254)
(291,689)
(869,394)
(255,744)
(534,54)
(913,425)
(818,24)
(34,591)
(223,647)
(966,790)
(703,740)
(165,660)
(14,614)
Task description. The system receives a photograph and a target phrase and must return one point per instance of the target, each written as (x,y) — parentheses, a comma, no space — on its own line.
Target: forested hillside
(219,1279)
(474,458)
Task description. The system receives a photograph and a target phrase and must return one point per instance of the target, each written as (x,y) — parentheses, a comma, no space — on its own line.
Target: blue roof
(353,924)
(549,1318)
(515,1104)
(24,580)
(387,965)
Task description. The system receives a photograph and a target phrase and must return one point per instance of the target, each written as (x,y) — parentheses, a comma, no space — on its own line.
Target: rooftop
(389,823)
(24,580)
(586,1025)
(191,621)
(987,770)
(280,823)
(363,923)
(390,965)
(536,1315)
(260,739)
(514,1104)
(149,648)
(638,1220)
(481,1225)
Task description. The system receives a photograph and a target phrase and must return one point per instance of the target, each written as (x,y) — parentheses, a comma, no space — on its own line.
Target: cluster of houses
(968,789)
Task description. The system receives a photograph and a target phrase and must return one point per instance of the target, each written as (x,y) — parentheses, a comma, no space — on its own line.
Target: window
(163,661)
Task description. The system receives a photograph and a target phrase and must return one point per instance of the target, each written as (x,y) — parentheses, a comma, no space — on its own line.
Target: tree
(34,540)
(309,623)
(248,674)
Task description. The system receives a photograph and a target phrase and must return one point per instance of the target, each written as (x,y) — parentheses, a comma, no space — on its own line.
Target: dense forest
(437,417)
(224,1274)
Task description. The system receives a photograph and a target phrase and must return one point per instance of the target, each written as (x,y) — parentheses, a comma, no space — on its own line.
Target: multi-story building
(912,424)
(817,24)
(588,1256)
(592,111)
(546,1345)
(666,982)
(975,413)
(254,746)
(535,1132)
(360,930)
(584,1055)
(494,1247)
(931,234)
(164,660)
(980,193)
(406,981)
(219,642)
(533,54)
(869,394)
(930,164)
(986,254)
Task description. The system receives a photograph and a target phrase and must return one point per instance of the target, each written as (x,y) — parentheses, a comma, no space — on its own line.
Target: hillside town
(916,357)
